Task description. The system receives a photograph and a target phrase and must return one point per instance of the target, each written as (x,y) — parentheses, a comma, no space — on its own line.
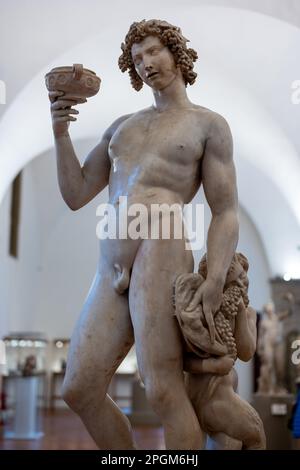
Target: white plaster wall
(5,272)
(68,266)
(19,276)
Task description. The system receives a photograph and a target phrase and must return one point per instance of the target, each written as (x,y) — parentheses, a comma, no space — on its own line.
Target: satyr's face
(243,280)
(154,63)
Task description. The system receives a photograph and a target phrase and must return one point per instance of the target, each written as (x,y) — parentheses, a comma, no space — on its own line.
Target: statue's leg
(101,340)
(202,390)
(158,341)
(228,414)
(221,441)
(279,359)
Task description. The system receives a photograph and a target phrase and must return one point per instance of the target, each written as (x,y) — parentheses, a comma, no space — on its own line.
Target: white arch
(263,129)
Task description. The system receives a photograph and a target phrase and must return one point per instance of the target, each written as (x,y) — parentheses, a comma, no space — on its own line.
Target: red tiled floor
(63,430)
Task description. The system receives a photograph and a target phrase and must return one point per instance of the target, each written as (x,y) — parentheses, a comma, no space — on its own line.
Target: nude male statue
(161,154)
(271,348)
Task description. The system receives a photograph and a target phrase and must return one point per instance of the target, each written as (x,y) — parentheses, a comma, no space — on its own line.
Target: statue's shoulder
(143,112)
(211,118)
(120,120)
(116,124)
(138,114)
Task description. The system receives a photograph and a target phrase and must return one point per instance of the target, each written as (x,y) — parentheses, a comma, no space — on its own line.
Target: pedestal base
(275,412)
(25,424)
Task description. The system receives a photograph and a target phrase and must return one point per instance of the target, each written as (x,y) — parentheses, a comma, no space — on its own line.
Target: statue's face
(154,63)
(269,309)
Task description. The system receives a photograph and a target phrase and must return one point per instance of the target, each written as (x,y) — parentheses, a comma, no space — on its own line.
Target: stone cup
(75,81)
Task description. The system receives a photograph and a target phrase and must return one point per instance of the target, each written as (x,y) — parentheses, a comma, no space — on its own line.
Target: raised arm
(219,182)
(78,185)
(290,310)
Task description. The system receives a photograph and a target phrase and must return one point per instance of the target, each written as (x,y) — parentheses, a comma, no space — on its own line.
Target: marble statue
(271,349)
(159,155)
(211,380)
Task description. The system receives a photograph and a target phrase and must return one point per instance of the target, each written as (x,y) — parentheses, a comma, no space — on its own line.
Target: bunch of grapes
(224,330)
(230,302)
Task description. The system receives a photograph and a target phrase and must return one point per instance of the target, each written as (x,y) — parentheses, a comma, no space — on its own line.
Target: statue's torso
(270,326)
(155,159)
(156,156)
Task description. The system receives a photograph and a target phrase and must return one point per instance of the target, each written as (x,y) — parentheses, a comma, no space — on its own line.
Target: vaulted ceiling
(248,60)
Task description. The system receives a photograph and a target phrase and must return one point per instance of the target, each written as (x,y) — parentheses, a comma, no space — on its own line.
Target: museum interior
(248,71)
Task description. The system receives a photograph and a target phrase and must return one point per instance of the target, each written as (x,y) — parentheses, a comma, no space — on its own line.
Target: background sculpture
(271,349)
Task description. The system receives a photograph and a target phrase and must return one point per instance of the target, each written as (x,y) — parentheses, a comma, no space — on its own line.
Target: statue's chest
(177,140)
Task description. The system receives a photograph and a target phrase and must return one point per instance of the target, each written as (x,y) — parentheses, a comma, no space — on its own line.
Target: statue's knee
(256,438)
(72,395)
(79,395)
(259,436)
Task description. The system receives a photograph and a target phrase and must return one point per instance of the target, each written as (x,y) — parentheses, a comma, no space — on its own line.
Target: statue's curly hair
(170,36)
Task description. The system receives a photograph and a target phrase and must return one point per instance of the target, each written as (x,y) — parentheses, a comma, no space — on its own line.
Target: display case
(25,353)
(24,385)
(59,353)
(58,360)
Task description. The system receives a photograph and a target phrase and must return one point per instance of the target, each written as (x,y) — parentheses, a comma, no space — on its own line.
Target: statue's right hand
(61,112)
